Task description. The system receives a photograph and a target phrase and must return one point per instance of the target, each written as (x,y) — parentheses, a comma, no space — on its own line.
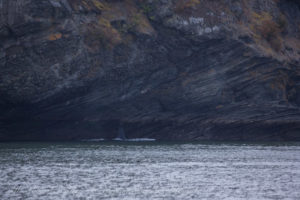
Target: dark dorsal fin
(121,133)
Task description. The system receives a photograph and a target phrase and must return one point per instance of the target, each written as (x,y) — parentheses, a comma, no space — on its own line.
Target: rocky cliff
(165,69)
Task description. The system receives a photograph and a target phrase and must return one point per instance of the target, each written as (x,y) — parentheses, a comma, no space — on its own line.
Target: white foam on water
(141,140)
(93,140)
(135,140)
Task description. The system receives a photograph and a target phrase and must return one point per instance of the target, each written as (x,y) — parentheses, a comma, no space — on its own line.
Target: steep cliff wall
(167,69)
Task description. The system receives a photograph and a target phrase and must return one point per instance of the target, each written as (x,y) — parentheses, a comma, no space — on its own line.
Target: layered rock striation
(165,69)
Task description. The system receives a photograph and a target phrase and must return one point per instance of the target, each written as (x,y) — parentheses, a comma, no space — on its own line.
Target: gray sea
(149,170)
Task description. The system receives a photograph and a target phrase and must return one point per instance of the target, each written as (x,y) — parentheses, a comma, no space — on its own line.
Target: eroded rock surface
(165,69)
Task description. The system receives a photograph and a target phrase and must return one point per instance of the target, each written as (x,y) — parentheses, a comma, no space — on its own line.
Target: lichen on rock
(176,70)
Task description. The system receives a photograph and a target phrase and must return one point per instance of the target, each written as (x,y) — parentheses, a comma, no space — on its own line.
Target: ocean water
(149,170)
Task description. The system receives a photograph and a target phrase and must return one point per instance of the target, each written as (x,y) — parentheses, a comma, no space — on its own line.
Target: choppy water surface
(148,171)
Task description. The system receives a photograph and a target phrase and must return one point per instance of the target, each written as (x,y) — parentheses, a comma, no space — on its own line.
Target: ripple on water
(138,171)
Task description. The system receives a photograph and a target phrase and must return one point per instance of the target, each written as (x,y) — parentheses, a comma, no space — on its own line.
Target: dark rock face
(170,70)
